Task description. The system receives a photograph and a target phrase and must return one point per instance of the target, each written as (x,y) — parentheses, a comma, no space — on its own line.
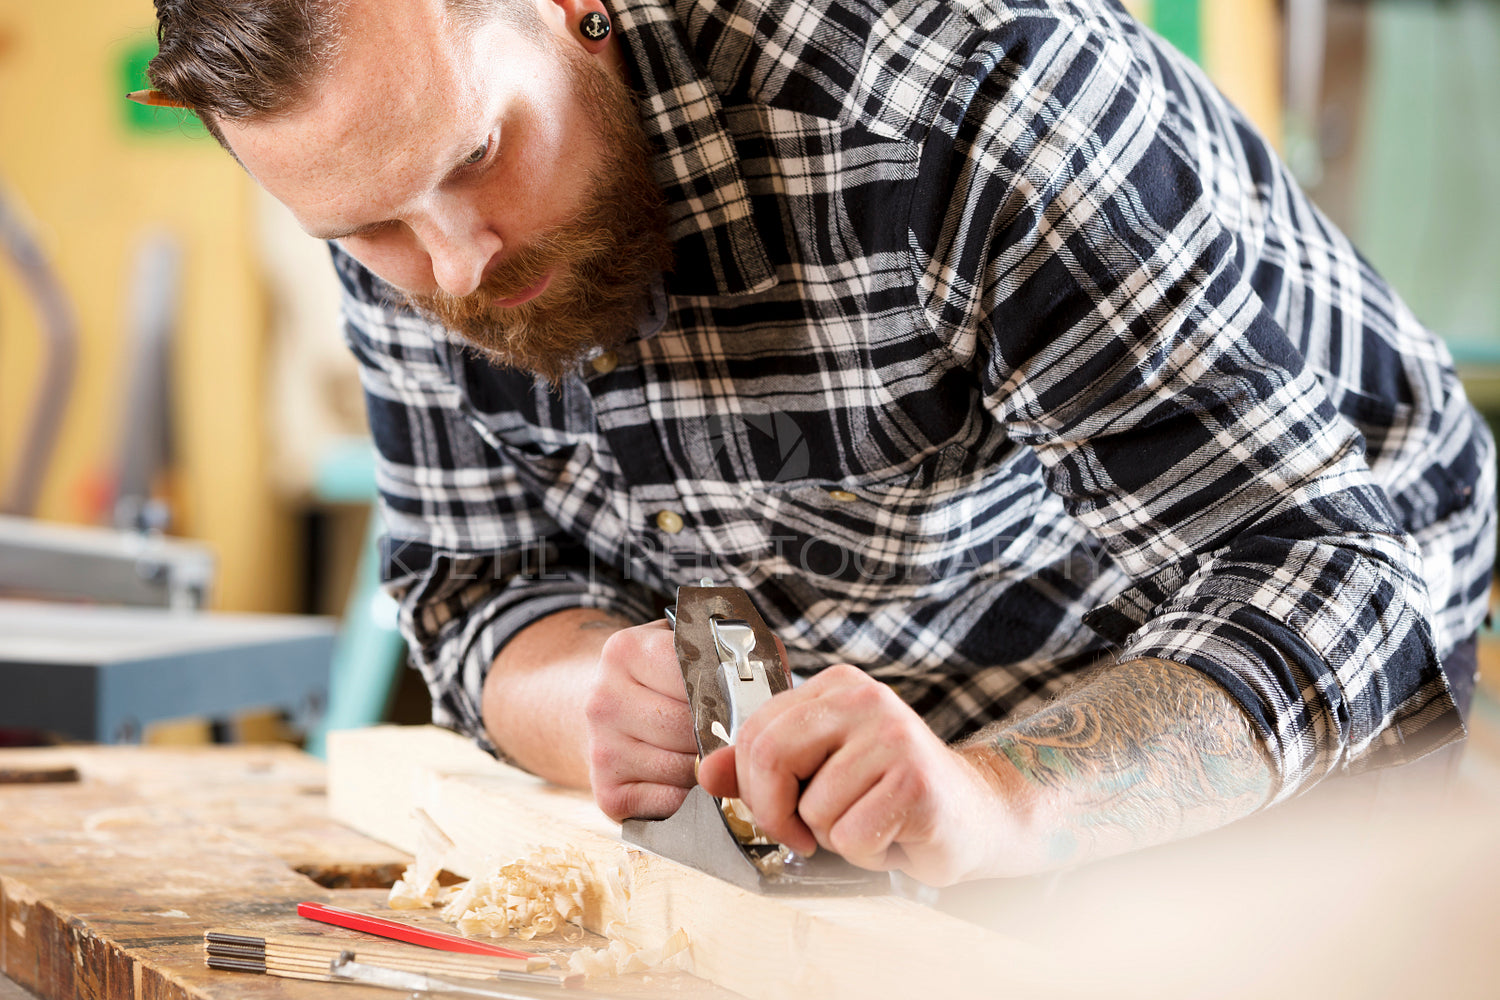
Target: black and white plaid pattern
(998,343)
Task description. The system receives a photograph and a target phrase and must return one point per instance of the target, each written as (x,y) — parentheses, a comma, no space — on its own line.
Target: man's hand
(1145,752)
(641,748)
(880,788)
(1148,751)
(586,700)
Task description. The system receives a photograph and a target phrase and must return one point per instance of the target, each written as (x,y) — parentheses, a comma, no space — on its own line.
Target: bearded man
(1098,489)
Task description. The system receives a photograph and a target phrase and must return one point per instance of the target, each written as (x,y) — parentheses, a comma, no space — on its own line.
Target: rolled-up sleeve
(1218,474)
(1116,325)
(469,555)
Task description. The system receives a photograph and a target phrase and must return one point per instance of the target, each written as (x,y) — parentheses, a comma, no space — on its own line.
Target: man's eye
(479,153)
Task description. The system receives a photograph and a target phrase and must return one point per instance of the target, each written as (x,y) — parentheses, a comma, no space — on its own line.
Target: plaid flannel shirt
(998,342)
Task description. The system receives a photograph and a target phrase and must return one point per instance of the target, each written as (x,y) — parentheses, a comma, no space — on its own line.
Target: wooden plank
(108,883)
(760,946)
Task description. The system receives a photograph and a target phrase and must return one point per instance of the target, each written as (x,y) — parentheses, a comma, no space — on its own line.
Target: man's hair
(245,59)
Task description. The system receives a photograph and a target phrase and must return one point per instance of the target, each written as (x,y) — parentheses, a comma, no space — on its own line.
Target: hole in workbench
(337,876)
(366,876)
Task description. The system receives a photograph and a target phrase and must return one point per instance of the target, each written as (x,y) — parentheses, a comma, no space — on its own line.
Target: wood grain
(761,946)
(108,884)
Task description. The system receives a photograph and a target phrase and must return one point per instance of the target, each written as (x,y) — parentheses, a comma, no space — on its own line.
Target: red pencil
(397,931)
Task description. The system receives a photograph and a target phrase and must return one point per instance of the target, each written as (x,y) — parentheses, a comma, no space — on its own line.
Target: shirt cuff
(1312,721)
(458,617)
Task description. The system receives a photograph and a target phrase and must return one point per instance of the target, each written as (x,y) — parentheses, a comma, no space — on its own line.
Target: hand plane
(732,665)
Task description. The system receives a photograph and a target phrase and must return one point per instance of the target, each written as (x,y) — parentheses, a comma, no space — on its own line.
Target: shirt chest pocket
(911,530)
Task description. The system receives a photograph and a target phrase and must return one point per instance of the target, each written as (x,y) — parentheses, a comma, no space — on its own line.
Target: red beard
(600,262)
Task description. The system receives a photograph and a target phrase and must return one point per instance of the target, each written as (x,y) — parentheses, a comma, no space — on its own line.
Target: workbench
(107,884)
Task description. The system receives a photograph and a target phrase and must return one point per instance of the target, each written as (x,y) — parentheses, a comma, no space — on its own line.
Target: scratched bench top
(107,882)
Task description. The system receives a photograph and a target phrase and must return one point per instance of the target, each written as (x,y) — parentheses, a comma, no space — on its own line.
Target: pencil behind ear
(155,99)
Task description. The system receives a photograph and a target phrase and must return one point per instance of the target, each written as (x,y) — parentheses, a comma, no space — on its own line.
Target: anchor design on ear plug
(594,26)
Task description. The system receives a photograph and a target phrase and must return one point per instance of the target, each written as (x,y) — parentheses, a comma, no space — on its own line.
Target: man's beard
(601,261)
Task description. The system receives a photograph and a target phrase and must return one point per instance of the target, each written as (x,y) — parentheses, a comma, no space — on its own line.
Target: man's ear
(583,22)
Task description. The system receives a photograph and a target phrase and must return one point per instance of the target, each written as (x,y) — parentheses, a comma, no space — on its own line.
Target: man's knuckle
(614,802)
(843,673)
(656,640)
(842,844)
(894,733)
(604,757)
(868,699)
(851,842)
(912,785)
(817,815)
(762,755)
(618,648)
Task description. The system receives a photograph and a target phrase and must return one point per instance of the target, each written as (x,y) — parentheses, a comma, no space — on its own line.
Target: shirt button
(669,521)
(605,363)
(843,495)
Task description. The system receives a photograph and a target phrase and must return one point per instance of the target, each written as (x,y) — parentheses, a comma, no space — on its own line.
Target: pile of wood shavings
(622,956)
(552,891)
(544,894)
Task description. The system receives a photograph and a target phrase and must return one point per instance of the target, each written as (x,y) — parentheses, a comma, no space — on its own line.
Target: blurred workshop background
(182,435)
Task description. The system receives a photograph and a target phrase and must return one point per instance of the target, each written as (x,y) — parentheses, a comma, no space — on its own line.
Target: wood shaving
(551,892)
(412,891)
(546,893)
(742,823)
(418,885)
(775,863)
(622,957)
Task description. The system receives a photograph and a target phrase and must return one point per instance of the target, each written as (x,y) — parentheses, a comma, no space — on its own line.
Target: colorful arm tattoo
(1148,751)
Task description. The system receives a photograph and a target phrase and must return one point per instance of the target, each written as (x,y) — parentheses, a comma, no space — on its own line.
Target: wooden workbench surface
(108,883)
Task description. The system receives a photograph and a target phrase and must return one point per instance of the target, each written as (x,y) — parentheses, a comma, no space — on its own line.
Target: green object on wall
(1429,206)
(141,119)
(1181,23)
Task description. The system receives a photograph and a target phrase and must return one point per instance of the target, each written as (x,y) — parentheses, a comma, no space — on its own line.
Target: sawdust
(551,892)
(546,893)
(622,957)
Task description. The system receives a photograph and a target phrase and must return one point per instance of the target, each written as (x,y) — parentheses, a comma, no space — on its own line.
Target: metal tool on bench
(417,984)
(732,665)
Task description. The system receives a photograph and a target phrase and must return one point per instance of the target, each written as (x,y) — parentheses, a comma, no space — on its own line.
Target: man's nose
(462,252)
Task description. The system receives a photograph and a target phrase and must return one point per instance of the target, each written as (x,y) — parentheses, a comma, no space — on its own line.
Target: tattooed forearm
(1147,752)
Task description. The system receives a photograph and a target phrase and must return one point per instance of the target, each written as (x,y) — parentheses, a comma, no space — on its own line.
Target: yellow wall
(93,188)
(1242,51)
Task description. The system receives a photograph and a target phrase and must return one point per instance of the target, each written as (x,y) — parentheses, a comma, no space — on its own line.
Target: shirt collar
(719,251)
